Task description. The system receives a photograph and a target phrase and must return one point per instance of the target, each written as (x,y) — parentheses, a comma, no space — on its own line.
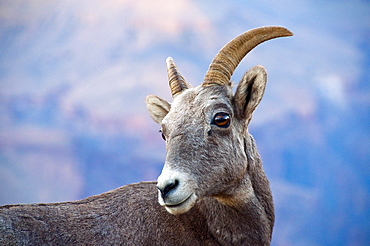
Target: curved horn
(229,57)
(176,81)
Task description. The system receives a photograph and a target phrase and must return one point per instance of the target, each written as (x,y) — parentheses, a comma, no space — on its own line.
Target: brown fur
(129,215)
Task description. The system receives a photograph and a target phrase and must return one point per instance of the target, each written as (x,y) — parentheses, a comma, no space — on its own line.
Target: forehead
(193,102)
(200,97)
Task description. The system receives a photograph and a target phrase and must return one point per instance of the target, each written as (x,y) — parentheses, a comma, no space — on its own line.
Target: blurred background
(74,76)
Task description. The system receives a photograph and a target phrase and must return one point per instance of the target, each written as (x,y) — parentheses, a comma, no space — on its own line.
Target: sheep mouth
(180,203)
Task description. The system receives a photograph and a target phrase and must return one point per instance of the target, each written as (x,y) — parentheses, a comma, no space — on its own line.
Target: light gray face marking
(180,199)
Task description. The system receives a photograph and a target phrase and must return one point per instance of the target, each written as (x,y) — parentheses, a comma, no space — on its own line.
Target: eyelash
(163,136)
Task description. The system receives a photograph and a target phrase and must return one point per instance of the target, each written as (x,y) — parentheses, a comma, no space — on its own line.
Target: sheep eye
(221,120)
(163,136)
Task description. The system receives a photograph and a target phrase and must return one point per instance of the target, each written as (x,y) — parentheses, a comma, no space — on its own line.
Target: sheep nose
(167,187)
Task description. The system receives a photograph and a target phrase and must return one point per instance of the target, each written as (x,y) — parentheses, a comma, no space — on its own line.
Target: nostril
(170,185)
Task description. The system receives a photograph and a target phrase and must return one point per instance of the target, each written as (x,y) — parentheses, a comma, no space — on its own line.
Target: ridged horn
(176,81)
(229,57)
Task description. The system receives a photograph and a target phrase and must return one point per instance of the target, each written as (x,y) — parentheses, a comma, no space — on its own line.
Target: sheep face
(205,131)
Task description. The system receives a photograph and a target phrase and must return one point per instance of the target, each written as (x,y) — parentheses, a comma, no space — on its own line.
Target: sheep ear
(158,108)
(249,92)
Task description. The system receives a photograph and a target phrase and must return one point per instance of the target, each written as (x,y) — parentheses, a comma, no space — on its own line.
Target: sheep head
(205,128)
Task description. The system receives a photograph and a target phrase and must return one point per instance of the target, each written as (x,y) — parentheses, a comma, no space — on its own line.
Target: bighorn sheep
(212,185)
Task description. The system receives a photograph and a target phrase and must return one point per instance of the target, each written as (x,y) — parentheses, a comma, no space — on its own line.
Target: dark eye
(163,136)
(221,120)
